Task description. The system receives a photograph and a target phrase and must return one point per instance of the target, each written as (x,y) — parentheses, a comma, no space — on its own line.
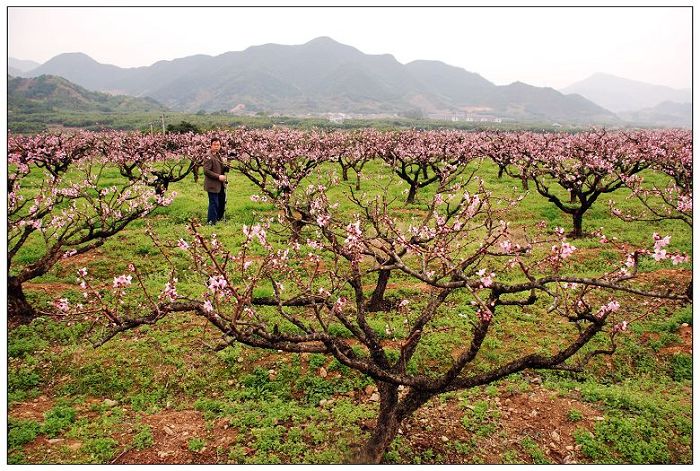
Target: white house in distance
(336,118)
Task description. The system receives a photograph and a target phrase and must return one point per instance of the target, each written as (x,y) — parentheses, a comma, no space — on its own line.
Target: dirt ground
(540,414)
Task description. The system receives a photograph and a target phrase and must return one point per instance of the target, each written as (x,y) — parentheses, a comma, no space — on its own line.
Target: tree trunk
(392,413)
(17,305)
(357,183)
(297,226)
(500,171)
(161,187)
(387,426)
(412,193)
(524,183)
(578,224)
(572,196)
(689,290)
(345,172)
(377,302)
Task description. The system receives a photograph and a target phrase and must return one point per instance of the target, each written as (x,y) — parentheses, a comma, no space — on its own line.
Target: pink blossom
(122,281)
(678,258)
(484,314)
(82,272)
(313,244)
(208,306)
(659,254)
(486,280)
(507,246)
(620,327)
(354,236)
(340,304)
(217,283)
(256,231)
(612,306)
(62,305)
(183,244)
(685,203)
(169,292)
(660,242)
(564,251)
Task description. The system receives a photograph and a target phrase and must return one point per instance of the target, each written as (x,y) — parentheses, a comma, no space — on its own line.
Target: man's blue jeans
(217,205)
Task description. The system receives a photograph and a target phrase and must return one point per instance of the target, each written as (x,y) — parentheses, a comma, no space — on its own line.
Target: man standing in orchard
(215,182)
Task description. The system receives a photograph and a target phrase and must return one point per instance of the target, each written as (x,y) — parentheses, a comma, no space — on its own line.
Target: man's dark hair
(215,139)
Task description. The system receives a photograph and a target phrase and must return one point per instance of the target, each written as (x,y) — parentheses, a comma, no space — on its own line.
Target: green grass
(57,420)
(534,451)
(574,415)
(143,438)
(195,444)
(21,432)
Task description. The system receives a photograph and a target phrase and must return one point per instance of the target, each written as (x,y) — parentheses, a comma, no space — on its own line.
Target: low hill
(667,114)
(51,93)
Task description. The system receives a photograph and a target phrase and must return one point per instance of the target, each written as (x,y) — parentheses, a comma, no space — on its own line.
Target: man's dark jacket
(213,167)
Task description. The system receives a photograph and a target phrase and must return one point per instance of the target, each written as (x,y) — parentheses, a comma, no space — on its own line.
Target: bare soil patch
(31,410)
(54,289)
(541,415)
(686,345)
(172,431)
(81,260)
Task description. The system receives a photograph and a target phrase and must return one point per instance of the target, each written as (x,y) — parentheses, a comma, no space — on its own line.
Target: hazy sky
(540,46)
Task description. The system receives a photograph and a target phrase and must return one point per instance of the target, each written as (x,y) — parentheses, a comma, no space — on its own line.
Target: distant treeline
(39,121)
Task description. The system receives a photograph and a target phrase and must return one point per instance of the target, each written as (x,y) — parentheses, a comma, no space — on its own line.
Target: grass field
(159,394)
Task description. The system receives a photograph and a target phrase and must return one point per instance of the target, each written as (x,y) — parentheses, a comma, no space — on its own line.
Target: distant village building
(239,108)
(336,118)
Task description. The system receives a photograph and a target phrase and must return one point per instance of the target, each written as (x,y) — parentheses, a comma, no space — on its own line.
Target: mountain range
(325,76)
(619,94)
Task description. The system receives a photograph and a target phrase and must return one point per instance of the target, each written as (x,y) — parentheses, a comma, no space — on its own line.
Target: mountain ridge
(619,94)
(320,76)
